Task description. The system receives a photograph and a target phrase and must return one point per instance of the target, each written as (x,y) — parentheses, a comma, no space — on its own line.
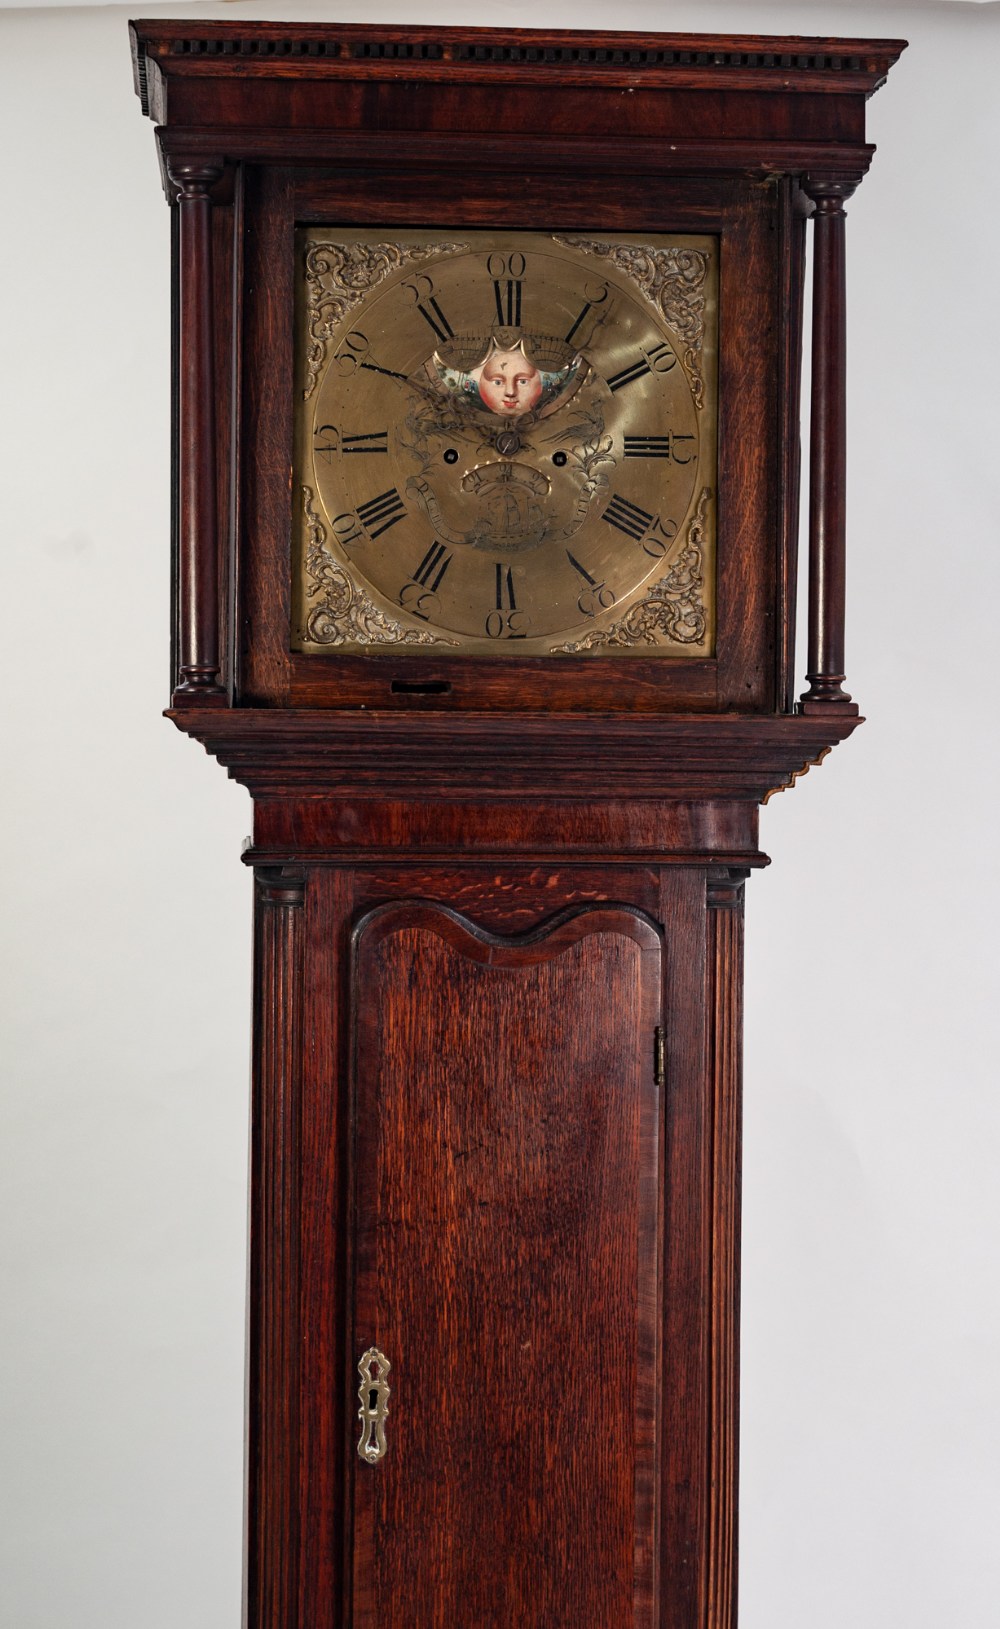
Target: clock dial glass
(505,443)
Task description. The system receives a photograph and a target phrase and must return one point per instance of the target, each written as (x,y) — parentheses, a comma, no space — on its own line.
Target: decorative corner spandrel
(673,611)
(344,614)
(339,276)
(676,281)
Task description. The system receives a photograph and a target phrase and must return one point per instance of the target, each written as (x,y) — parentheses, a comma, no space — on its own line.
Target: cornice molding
(430,150)
(529,757)
(688,61)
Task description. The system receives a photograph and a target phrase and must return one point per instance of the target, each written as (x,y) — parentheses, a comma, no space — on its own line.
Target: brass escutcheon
(373,1394)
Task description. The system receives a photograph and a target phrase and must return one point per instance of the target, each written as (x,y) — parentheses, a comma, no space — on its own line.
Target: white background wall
(871,1427)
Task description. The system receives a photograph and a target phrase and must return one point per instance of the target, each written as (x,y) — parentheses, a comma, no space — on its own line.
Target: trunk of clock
(469,1156)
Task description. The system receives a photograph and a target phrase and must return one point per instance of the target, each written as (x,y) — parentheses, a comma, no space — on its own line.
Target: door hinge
(659,1057)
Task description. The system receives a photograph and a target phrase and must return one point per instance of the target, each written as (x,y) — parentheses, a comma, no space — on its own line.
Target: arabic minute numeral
(654,533)
(660,536)
(507,272)
(347,528)
(596,597)
(354,353)
(330,438)
(506,620)
(418,594)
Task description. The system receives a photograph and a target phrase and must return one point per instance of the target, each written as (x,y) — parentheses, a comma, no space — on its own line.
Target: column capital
(281,885)
(724,888)
(829,190)
(193,177)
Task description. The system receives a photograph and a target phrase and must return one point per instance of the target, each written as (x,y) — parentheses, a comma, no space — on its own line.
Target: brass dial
(504,447)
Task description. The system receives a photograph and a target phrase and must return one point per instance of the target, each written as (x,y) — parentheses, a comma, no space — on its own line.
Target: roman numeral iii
(374,441)
(333,441)
(647,446)
(668,446)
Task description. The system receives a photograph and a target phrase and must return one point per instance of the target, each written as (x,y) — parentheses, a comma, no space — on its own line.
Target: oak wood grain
(597,831)
(482,885)
(506,1204)
(504,757)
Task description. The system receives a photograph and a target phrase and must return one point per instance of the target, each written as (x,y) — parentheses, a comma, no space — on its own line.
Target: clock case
(500,814)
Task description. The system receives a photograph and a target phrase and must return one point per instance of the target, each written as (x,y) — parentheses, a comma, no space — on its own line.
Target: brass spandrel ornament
(506,446)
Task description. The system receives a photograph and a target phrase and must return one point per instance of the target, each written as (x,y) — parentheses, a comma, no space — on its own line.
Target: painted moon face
(509,383)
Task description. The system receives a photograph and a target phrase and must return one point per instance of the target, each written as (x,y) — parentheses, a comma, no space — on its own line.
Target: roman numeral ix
(375,441)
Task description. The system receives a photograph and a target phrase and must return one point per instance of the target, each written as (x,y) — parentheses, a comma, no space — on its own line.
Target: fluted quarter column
(724,899)
(273,1559)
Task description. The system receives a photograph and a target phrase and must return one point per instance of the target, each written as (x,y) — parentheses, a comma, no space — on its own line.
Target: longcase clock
(487,354)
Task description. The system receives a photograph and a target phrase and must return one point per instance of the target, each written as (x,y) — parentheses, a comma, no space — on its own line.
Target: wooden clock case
(496,1083)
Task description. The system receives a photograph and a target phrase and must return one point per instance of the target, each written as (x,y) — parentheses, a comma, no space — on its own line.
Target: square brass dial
(505,443)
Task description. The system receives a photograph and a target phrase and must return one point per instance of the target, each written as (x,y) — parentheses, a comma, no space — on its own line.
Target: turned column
(828,448)
(198,551)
